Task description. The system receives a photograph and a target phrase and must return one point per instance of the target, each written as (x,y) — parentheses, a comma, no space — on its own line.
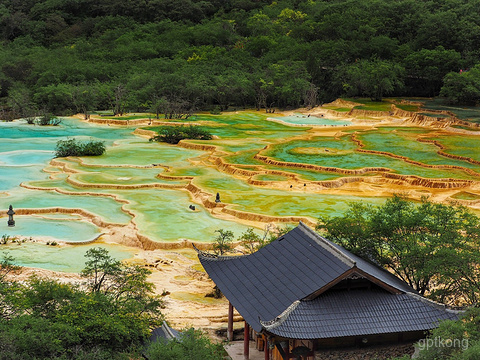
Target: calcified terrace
(281,168)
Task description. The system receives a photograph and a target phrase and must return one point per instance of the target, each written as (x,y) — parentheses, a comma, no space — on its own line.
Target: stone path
(235,351)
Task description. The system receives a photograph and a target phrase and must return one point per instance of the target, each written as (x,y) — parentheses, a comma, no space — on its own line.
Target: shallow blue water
(57,258)
(67,228)
(312,120)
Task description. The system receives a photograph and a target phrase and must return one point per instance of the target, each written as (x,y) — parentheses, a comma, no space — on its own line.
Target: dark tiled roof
(373,270)
(358,313)
(266,282)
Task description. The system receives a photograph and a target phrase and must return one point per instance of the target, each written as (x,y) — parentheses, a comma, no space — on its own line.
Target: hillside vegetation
(176,56)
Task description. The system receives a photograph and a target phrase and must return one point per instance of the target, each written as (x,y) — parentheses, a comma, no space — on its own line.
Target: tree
(55,97)
(433,247)
(453,340)
(253,242)
(20,100)
(250,241)
(111,277)
(7,266)
(223,242)
(110,318)
(84,98)
(429,67)
(120,93)
(462,87)
(372,78)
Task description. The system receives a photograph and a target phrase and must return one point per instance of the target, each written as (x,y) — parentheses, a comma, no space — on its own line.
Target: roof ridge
(271,324)
(436,304)
(168,331)
(325,243)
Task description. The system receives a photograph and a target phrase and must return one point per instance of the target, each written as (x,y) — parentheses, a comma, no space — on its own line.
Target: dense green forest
(175,56)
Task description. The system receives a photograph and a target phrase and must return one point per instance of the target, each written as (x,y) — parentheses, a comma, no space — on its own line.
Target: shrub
(5,239)
(71,147)
(193,345)
(46,119)
(92,148)
(173,134)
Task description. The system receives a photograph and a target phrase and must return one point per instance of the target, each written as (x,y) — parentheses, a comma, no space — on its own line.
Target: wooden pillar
(266,349)
(230,322)
(287,350)
(246,342)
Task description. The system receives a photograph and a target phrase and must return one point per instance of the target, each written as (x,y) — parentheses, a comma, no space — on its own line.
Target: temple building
(303,293)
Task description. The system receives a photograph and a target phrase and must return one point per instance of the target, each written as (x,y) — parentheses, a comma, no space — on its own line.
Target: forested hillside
(67,56)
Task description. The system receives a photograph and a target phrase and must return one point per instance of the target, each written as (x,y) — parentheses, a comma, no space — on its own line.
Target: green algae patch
(184,278)
(198,267)
(390,142)
(246,126)
(318,151)
(307,175)
(466,128)
(404,143)
(370,105)
(465,195)
(339,109)
(462,145)
(408,107)
(199,298)
(268,177)
(469,113)
(166,209)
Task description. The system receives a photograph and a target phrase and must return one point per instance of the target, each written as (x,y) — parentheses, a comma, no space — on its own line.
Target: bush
(173,134)
(71,147)
(454,340)
(46,119)
(193,345)
(46,319)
